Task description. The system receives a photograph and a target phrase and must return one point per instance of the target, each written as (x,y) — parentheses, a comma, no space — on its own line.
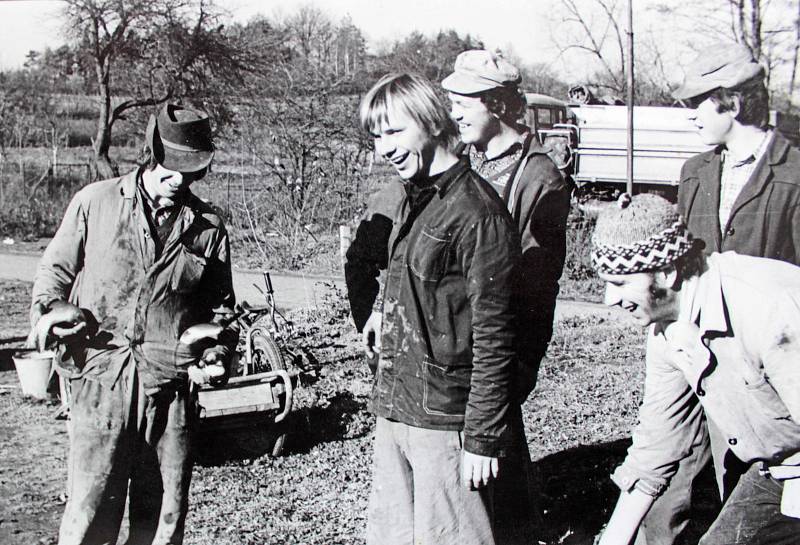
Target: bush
(579,280)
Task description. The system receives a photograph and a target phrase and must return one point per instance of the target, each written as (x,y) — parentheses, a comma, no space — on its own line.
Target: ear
(737,106)
(668,278)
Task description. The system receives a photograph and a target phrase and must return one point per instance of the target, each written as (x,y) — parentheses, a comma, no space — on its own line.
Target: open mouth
(399,160)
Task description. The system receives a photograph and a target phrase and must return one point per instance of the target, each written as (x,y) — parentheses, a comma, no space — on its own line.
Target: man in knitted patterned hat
(741,196)
(723,345)
(136,261)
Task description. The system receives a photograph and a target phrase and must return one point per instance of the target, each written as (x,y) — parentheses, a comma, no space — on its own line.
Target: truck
(588,143)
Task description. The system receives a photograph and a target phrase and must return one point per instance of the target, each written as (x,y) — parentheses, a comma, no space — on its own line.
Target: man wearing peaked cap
(742,196)
(722,348)
(136,261)
(487,104)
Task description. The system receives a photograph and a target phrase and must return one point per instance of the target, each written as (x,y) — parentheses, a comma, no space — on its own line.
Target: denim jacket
(103,260)
(739,368)
(447,338)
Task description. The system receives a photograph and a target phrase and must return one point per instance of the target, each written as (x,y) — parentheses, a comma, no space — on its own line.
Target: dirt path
(291,291)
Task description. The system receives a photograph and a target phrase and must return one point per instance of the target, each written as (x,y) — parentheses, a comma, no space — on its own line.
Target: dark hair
(691,263)
(753,101)
(508,103)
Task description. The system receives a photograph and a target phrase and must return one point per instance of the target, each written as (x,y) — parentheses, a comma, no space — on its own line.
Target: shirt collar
(755,154)
(449,176)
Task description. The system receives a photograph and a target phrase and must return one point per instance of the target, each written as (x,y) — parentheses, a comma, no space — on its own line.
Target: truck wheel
(267,357)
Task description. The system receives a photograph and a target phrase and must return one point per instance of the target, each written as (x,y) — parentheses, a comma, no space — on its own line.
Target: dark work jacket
(447,337)
(764,220)
(538,198)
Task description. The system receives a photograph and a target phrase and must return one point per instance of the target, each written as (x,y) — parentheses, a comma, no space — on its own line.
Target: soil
(577,424)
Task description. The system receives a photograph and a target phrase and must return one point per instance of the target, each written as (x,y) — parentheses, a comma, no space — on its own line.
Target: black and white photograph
(382,272)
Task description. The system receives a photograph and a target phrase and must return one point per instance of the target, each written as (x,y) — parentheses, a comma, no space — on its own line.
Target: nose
(455,112)
(611,296)
(384,146)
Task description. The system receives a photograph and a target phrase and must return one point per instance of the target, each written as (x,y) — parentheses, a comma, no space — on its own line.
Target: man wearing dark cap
(723,347)
(136,261)
(487,104)
(743,196)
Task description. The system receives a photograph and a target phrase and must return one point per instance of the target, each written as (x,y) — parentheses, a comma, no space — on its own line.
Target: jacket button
(730,231)
(732,441)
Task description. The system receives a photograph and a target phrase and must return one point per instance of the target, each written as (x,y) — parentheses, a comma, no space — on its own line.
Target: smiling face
(168,186)
(713,126)
(405,144)
(476,124)
(646,296)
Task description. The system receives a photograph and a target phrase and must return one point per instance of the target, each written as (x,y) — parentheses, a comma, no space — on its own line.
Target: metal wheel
(267,357)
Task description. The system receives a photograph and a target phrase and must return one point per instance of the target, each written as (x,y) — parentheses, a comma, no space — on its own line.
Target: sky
(520,24)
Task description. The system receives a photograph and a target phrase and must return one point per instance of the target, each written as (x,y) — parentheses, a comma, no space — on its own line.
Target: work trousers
(418,496)
(751,515)
(126,443)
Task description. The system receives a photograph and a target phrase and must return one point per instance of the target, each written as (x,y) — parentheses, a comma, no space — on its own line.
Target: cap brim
(693,89)
(465,85)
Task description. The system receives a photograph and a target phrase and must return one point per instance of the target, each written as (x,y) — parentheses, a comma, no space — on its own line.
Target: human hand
(63,320)
(371,335)
(478,470)
(210,368)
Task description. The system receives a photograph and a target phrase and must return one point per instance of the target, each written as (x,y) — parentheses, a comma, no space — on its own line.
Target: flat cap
(719,65)
(478,70)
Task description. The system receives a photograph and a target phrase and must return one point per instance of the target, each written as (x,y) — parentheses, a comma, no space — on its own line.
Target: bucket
(33,370)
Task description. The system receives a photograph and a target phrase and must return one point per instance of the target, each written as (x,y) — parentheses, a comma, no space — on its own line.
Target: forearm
(628,514)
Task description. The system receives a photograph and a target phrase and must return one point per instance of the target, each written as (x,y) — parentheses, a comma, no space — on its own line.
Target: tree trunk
(103,167)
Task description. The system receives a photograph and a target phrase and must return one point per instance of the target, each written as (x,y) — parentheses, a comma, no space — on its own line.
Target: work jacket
(447,341)
(738,368)
(765,218)
(103,260)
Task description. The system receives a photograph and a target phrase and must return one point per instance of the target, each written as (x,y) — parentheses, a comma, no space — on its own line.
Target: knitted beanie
(641,233)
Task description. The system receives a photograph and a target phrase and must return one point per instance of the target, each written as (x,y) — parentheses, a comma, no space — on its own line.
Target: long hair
(417,97)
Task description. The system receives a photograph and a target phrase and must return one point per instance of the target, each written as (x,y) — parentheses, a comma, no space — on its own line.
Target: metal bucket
(34,369)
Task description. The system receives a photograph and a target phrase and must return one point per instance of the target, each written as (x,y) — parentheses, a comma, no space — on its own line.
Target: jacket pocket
(766,397)
(445,389)
(428,259)
(188,271)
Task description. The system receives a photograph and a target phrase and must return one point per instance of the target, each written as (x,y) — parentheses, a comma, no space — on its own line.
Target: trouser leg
(390,519)
(751,515)
(159,496)
(445,511)
(99,464)
(515,495)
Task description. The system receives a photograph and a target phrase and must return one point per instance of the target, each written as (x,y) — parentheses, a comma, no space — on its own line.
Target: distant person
(444,334)
(487,104)
(723,347)
(744,195)
(136,261)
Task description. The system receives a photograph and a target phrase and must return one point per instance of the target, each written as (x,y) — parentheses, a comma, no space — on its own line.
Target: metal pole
(629,68)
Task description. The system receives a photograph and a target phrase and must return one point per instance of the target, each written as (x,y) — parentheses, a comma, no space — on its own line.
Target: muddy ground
(577,425)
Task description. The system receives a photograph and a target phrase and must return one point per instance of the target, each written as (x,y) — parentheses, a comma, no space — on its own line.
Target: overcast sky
(33,24)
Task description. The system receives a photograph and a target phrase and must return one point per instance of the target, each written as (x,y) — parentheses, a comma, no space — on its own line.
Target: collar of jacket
(449,176)
(705,304)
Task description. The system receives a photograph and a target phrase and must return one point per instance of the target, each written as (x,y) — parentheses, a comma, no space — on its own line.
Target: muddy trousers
(418,496)
(127,445)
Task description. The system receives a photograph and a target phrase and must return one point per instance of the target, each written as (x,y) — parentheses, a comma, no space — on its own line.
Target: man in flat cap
(743,195)
(136,261)
(723,347)
(487,104)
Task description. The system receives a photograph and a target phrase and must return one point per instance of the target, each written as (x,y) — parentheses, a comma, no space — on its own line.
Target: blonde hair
(417,97)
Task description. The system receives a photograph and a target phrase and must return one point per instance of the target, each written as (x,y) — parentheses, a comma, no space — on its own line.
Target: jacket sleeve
(218,292)
(490,254)
(368,253)
(670,425)
(543,210)
(62,260)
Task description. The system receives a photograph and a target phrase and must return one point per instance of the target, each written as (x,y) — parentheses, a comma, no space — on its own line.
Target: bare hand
(210,367)
(371,335)
(478,470)
(63,320)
